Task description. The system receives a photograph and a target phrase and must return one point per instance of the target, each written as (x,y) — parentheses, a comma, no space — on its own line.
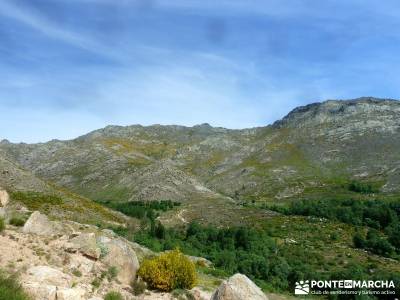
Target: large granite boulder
(39,224)
(119,254)
(48,276)
(40,291)
(43,282)
(238,287)
(86,244)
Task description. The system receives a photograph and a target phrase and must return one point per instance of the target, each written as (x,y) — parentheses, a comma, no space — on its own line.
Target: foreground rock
(86,244)
(120,255)
(238,287)
(47,283)
(4,198)
(39,224)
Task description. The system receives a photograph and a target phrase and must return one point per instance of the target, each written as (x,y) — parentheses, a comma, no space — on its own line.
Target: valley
(315,195)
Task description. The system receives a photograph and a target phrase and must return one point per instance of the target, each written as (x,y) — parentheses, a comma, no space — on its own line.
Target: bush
(112,273)
(17,221)
(138,287)
(2,224)
(169,271)
(10,289)
(113,296)
(96,282)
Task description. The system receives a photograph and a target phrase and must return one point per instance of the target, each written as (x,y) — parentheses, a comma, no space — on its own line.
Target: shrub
(17,221)
(77,273)
(113,296)
(96,282)
(138,287)
(169,271)
(112,273)
(182,295)
(2,224)
(10,289)
(358,240)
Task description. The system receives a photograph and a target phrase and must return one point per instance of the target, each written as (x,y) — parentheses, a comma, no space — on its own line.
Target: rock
(71,294)
(47,276)
(39,224)
(120,255)
(199,294)
(238,287)
(81,263)
(201,261)
(4,197)
(86,244)
(40,291)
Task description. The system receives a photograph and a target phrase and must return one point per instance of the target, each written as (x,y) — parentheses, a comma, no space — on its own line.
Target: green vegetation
(96,282)
(381,216)
(138,287)
(363,188)
(77,273)
(142,209)
(112,273)
(10,289)
(113,296)
(169,271)
(274,261)
(17,221)
(2,224)
(35,200)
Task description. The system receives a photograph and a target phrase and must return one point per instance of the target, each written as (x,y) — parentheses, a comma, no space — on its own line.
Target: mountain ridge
(314,149)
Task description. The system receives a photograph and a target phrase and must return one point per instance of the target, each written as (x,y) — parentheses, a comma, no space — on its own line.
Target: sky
(71,66)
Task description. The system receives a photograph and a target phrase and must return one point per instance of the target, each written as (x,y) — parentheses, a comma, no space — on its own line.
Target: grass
(10,289)
(17,221)
(2,224)
(36,200)
(113,296)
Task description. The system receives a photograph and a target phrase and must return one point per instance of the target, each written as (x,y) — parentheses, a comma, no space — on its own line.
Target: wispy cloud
(41,24)
(101,62)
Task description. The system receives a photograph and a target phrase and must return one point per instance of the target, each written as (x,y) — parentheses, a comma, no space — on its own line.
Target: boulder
(45,275)
(238,287)
(39,224)
(199,294)
(81,263)
(120,255)
(71,294)
(86,244)
(40,291)
(4,198)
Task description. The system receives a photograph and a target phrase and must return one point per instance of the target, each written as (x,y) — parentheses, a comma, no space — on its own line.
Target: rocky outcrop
(238,287)
(4,198)
(119,254)
(39,224)
(43,282)
(48,276)
(40,291)
(71,294)
(86,244)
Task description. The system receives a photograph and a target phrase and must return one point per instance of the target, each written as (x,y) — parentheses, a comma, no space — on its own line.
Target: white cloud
(52,30)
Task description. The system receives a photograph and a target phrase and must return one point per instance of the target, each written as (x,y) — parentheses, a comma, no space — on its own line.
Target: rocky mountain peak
(382,112)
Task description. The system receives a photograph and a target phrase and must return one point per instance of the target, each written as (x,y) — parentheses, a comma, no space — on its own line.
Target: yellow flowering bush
(169,271)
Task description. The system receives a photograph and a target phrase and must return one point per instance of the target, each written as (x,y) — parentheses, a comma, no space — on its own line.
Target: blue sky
(71,66)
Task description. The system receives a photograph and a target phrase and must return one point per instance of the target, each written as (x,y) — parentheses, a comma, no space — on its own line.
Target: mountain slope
(315,149)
